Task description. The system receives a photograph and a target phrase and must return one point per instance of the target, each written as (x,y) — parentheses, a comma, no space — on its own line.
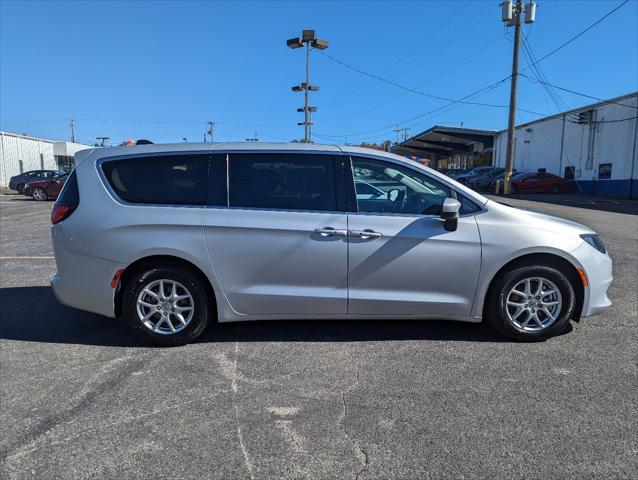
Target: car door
(278,241)
(544,182)
(529,183)
(401,260)
(56,184)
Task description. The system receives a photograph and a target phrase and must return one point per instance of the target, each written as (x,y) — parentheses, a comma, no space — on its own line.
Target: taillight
(67,201)
(60,211)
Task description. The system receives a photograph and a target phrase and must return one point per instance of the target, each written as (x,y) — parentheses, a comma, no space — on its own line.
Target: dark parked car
(18,182)
(539,183)
(48,189)
(485,182)
(475,172)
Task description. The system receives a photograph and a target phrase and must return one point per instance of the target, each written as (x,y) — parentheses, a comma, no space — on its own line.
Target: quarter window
(166,179)
(282,181)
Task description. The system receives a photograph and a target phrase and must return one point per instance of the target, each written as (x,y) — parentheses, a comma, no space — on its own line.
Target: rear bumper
(84,282)
(598,269)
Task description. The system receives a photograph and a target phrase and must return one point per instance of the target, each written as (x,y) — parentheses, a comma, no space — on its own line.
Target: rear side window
(283,181)
(166,179)
(69,195)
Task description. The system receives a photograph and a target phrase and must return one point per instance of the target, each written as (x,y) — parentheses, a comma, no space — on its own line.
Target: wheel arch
(153,261)
(542,258)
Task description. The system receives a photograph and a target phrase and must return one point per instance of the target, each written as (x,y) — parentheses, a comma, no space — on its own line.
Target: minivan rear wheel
(531,303)
(166,306)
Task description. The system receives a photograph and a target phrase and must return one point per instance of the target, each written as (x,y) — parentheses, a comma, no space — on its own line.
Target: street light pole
(511,15)
(308,40)
(306,137)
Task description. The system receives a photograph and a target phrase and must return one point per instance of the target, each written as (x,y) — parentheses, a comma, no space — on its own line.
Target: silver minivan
(170,237)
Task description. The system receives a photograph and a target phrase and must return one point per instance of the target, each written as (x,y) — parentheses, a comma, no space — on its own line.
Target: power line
(444,42)
(364,89)
(417,92)
(576,36)
(564,44)
(540,75)
(388,127)
(461,61)
(533,80)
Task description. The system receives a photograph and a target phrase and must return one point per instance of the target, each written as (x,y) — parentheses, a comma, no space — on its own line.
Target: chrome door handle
(330,232)
(367,233)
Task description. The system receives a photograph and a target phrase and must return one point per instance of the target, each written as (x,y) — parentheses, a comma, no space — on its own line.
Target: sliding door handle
(367,233)
(331,232)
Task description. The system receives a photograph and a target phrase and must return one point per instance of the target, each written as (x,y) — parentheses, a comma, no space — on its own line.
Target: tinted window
(169,179)
(405,190)
(283,181)
(365,188)
(70,194)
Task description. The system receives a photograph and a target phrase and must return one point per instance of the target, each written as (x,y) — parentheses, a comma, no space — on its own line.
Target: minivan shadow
(32,314)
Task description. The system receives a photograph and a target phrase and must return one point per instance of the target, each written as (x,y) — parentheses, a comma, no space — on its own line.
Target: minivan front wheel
(166,306)
(531,303)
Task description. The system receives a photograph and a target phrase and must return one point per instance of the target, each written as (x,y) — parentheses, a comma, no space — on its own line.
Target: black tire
(554,188)
(496,308)
(20,187)
(39,194)
(513,189)
(194,286)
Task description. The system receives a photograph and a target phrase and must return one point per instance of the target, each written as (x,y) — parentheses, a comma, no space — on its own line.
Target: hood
(541,221)
(557,221)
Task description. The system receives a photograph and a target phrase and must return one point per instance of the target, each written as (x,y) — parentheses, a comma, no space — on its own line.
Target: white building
(21,153)
(594,147)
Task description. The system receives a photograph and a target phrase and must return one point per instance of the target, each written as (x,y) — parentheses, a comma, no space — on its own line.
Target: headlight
(595,241)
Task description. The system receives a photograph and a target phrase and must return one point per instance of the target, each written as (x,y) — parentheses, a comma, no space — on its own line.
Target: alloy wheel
(165,306)
(533,304)
(39,194)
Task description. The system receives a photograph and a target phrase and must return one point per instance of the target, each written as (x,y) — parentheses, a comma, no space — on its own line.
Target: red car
(48,189)
(539,183)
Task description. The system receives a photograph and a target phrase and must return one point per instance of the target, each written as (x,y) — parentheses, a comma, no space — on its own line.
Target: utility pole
(511,15)
(72,130)
(211,131)
(405,133)
(401,132)
(308,40)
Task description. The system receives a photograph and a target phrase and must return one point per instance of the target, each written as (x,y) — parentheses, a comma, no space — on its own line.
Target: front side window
(165,179)
(404,190)
(282,181)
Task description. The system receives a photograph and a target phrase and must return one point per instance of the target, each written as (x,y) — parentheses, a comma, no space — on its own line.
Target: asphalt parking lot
(81,398)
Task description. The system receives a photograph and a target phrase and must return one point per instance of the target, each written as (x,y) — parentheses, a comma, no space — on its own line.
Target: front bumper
(598,269)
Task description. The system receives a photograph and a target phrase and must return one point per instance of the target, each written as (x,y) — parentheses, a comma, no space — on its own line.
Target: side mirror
(393,194)
(450,214)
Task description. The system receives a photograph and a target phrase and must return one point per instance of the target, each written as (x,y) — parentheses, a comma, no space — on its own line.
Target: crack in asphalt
(361,453)
(90,391)
(234,385)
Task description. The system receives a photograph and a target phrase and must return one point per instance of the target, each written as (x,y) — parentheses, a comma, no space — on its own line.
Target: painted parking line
(28,257)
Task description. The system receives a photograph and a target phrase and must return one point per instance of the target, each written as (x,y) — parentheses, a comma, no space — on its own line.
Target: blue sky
(161,70)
